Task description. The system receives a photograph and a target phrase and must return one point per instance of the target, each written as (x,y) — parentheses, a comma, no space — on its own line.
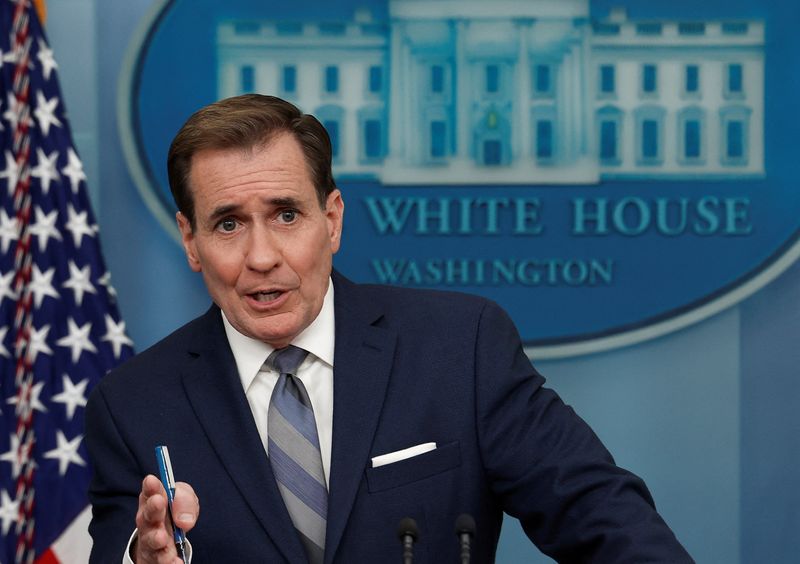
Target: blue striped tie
(294,452)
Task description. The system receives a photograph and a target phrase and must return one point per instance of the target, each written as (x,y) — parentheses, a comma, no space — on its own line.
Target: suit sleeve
(549,469)
(115,486)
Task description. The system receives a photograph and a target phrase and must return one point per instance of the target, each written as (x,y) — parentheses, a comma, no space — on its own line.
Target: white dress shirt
(316,373)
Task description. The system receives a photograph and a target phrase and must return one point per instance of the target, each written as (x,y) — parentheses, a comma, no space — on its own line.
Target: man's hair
(245,122)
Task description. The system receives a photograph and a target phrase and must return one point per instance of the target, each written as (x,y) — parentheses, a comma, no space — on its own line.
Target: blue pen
(168,480)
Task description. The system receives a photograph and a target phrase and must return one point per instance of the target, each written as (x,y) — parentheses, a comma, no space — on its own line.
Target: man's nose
(263,250)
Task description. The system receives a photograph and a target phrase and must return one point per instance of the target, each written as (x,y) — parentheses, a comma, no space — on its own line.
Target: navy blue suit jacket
(410,367)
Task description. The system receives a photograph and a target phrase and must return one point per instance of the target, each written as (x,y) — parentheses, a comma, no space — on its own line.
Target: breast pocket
(441,459)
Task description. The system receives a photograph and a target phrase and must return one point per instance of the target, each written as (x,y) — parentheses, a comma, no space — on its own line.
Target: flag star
(45,57)
(13,55)
(38,343)
(12,113)
(45,112)
(10,173)
(78,224)
(45,227)
(73,170)
(3,350)
(66,452)
(105,280)
(9,227)
(13,456)
(9,511)
(6,281)
(28,403)
(79,281)
(73,396)
(41,285)
(17,456)
(45,169)
(115,334)
(78,339)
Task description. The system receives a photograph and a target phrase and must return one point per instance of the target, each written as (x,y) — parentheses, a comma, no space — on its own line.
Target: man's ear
(188,241)
(334,213)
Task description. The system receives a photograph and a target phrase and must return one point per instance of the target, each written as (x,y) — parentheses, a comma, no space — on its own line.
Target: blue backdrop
(707,415)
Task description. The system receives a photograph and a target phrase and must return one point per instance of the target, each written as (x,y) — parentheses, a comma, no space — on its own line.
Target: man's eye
(227,225)
(288,216)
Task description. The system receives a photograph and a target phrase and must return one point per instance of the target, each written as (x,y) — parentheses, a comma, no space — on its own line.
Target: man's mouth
(266,296)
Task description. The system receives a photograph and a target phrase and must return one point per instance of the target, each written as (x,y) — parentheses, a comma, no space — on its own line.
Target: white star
(13,456)
(9,57)
(73,396)
(45,112)
(79,281)
(115,334)
(9,227)
(28,403)
(45,169)
(17,456)
(12,114)
(66,452)
(4,57)
(42,285)
(16,50)
(45,57)
(77,340)
(9,511)
(38,343)
(105,280)
(6,280)
(3,350)
(45,227)
(10,173)
(79,225)
(73,170)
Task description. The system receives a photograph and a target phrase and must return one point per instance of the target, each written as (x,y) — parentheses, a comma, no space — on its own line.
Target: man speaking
(308,415)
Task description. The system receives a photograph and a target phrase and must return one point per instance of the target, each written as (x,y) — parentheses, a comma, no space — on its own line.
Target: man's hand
(155,543)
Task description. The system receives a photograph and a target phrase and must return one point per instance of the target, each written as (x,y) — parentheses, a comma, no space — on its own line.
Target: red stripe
(48,557)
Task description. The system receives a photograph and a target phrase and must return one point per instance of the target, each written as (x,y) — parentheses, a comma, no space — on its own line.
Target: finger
(154,511)
(185,506)
(152,504)
(156,547)
(152,486)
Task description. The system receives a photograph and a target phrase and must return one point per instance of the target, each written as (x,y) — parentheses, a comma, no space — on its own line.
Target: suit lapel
(215,392)
(362,365)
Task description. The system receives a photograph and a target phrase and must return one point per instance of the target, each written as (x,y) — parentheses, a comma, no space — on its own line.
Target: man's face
(261,239)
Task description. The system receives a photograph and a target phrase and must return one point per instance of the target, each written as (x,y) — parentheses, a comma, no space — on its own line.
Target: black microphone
(407,532)
(465,530)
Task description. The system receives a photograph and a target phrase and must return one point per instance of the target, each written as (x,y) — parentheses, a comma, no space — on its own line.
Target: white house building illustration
(513,91)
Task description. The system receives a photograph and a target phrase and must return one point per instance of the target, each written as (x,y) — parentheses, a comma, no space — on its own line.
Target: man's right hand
(155,543)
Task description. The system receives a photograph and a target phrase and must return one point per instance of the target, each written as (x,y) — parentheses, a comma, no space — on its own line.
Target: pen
(168,480)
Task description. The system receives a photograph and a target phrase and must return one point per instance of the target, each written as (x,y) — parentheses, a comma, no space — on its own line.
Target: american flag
(60,330)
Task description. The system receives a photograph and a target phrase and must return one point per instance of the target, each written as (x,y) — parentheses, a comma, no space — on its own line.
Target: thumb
(185,506)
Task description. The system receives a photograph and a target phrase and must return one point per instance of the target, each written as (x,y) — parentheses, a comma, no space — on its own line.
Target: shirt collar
(318,339)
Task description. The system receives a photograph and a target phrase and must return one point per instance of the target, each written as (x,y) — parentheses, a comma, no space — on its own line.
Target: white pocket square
(399,455)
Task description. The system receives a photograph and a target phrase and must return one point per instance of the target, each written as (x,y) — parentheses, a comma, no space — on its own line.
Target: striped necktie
(294,452)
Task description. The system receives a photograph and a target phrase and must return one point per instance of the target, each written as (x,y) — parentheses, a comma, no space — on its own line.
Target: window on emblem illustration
(331,79)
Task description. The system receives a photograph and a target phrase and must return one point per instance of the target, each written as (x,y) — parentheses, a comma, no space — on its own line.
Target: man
(401,403)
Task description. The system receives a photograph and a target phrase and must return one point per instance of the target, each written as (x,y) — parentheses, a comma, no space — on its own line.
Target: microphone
(407,532)
(465,530)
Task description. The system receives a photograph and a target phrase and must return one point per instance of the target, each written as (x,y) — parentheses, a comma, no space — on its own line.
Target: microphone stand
(465,530)
(408,533)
